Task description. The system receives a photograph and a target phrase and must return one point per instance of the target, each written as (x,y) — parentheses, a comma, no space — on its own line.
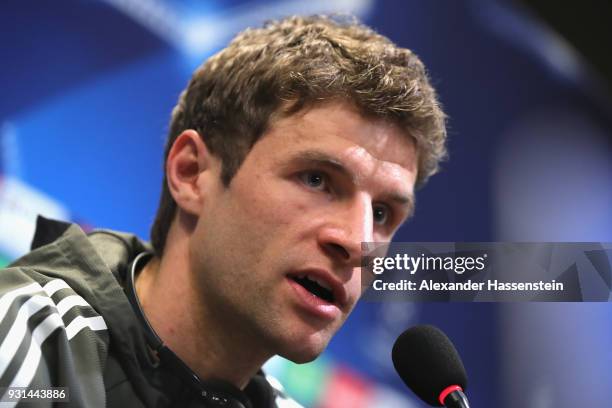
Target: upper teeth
(321,282)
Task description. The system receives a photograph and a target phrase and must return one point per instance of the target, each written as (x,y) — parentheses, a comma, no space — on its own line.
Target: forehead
(366,144)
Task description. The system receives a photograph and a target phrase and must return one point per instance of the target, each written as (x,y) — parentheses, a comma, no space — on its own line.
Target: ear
(188,159)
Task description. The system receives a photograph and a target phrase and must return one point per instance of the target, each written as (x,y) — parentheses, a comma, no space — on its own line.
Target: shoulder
(49,335)
(26,293)
(64,315)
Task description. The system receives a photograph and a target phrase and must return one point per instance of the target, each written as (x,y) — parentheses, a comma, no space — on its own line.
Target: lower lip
(314,304)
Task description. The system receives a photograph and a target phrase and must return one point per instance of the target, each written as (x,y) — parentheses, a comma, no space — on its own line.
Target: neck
(211,347)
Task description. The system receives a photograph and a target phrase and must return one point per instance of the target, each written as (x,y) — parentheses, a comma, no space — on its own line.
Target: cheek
(252,223)
(269,205)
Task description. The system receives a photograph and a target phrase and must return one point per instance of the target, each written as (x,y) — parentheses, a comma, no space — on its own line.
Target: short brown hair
(299,62)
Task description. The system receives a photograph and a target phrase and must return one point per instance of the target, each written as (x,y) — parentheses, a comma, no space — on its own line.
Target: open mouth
(317,288)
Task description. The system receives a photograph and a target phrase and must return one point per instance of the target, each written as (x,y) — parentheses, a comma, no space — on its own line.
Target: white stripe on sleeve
(30,362)
(69,302)
(55,285)
(18,329)
(9,297)
(80,322)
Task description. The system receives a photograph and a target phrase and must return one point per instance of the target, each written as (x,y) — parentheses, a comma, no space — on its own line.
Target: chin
(304,351)
(301,357)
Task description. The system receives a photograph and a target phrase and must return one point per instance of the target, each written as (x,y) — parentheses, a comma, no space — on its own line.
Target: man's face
(277,253)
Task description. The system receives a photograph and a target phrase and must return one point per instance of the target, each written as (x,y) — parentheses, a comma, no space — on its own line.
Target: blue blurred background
(86,93)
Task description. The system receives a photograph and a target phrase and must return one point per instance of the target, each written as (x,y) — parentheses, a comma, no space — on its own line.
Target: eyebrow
(324,159)
(404,201)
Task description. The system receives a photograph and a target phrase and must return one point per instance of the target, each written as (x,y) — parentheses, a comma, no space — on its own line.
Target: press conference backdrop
(86,92)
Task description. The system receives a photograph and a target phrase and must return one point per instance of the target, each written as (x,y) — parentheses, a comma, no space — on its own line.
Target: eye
(380,213)
(315,180)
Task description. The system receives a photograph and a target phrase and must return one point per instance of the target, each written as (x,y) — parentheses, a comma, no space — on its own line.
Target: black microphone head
(427,362)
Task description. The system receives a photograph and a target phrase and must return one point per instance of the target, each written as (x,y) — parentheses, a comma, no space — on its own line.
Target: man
(288,149)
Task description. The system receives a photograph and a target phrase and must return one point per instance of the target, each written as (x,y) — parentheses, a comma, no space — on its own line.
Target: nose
(349,225)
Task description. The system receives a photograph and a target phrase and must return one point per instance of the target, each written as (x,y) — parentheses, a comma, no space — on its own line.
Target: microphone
(430,366)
